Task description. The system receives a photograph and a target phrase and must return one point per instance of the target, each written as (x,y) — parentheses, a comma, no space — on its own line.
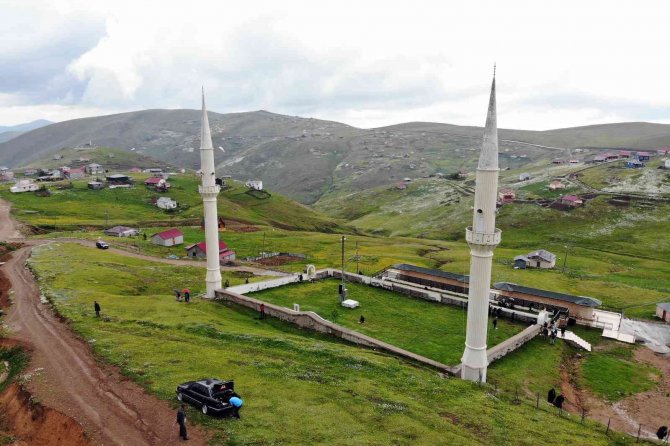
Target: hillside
(310,159)
(81,207)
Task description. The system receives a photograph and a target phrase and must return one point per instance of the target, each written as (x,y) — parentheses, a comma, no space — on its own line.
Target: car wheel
(180,397)
(204,409)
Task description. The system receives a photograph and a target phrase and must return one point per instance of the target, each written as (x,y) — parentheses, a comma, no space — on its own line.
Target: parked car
(101,245)
(210,394)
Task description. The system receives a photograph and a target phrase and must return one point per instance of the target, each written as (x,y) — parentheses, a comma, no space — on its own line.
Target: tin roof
(432,272)
(578,300)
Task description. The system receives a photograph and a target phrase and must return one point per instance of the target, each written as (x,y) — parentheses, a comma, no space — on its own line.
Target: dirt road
(111,409)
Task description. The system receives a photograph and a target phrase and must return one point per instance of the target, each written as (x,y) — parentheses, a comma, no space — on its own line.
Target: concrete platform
(623,337)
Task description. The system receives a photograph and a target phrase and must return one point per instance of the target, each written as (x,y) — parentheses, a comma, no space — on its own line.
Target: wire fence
(540,402)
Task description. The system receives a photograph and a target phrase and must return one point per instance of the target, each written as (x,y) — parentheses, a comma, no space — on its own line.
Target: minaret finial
(494,70)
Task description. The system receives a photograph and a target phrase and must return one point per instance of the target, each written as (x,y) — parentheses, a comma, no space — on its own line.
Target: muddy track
(110,408)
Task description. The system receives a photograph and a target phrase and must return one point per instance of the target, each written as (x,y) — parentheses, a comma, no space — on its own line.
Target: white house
(166,203)
(524,176)
(541,259)
(93,169)
(24,186)
(121,231)
(171,237)
(255,184)
(667,164)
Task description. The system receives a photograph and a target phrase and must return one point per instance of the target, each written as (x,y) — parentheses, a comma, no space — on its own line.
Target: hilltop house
(624,154)
(157,183)
(171,237)
(254,184)
(556,184)
(611,156)
(166,203)
(571,200)
(540,259)
(599,159)
(199,250)
(663,311)
(121,231)
(24,186)
(94,169)
(524,176)
(506,196)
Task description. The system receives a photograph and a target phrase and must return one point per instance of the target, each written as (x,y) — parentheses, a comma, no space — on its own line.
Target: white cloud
(365,63)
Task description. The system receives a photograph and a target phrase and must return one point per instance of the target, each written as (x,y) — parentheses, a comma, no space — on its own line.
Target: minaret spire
(209,191)
(482,237)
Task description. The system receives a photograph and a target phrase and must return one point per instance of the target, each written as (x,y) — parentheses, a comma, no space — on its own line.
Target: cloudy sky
(366,63)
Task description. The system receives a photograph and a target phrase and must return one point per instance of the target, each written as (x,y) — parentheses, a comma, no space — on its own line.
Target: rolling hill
(8,132)
(309,159)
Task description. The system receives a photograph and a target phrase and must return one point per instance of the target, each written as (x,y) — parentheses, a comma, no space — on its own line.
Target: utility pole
(343,291)
(565,259)
(263,247)
(358,270)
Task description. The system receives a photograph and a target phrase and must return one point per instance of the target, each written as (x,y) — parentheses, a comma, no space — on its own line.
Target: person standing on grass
(563,331)
(361,320)
(187,295)
(261,311)
(495,323)
(96,307)
(181,421)
(177,295)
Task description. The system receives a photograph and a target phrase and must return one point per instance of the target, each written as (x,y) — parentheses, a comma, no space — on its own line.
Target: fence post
(639,429)
(516,394)
(609,420)
(583,415)
(537,404)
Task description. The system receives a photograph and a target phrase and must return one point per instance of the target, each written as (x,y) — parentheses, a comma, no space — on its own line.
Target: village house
(667,164)
(558,161)
(254,184)
(157,183)
(401,185)
(643,156)
(166,203)
(556,184)
(574,161)
(171,237)
(663,150)
(571,200)
(611,156)
(540,259)
(599,159)
(199,250)
(524,176)
(135,170)
(94,169)
(624,154)
(95,185)
(506,196)
(6,175)
(663,311)
(30,172)
(634,164)
(579,307)
(24,186)
(76,173)
(118,180)
(121,231)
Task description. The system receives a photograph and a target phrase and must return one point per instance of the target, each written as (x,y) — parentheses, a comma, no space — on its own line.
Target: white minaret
(209,191)
(482,237)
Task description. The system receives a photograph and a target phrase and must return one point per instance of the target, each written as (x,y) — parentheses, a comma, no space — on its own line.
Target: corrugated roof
(432,272)
(578,300)
(170,233)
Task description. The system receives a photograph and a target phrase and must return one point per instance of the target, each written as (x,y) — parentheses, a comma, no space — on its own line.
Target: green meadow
(299,387)
(430,329)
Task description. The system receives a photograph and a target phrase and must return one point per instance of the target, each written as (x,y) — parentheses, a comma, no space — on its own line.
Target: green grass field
(299,387)
(430,329)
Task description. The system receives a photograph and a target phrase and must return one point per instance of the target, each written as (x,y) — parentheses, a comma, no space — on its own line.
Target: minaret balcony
(482,238)
(209,190)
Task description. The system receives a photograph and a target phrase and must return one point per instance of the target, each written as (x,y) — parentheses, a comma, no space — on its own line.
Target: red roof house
(171,237)
(199,250)
(571,200)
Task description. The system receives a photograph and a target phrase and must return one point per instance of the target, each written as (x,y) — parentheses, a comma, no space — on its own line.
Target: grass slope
(299,387)
(81,206)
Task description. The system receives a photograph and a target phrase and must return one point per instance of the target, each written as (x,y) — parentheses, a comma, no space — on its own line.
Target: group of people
(550,331)
(183,295)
